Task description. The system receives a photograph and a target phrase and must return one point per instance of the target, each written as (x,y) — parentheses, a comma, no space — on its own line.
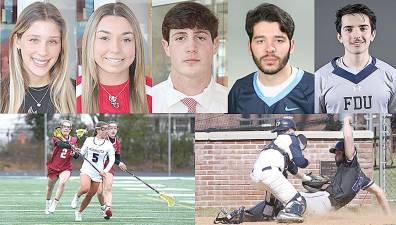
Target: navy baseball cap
(338,147)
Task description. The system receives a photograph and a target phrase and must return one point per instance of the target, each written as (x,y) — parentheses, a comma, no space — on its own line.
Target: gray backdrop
(326,44)
(240,62)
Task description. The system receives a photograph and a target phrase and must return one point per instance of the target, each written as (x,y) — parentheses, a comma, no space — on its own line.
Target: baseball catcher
(282,200)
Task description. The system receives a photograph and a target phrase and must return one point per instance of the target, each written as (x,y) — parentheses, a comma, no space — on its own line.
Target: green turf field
(22,201)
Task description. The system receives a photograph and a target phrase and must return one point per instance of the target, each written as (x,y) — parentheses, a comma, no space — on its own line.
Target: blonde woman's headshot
(37,81)
(113,78)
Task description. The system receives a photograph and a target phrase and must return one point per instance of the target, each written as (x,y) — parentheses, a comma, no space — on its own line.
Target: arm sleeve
(111,159)
(117,159)
(63,144)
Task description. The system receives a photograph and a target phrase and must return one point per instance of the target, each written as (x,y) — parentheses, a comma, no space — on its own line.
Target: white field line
(176,195)
(117,207)
(115,178)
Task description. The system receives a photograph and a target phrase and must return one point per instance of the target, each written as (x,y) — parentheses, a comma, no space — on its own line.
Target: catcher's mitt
(316,183)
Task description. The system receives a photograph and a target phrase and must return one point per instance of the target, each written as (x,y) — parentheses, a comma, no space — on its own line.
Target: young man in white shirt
(190,39)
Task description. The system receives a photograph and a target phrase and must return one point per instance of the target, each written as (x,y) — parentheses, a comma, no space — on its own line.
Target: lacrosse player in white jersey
(94,151)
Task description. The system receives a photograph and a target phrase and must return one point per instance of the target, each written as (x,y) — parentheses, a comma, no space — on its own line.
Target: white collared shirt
(166,99)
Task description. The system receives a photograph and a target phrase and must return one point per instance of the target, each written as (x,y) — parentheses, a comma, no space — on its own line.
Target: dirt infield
(342,217)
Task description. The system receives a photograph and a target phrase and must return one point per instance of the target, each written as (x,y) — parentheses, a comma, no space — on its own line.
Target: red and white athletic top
(61,157)
(123,98)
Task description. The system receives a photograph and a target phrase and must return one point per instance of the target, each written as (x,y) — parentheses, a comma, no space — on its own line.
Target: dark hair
(189,15)
(100,124)
(113,122)
(355,9)
(270,13)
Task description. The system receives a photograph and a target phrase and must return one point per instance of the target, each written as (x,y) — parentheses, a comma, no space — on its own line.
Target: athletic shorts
(93,174)
(51,173)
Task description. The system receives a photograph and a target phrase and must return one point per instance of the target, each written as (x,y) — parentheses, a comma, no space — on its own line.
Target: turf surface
(22,201)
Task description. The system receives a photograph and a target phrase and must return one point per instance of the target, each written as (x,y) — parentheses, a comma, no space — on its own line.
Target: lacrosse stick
(167,198)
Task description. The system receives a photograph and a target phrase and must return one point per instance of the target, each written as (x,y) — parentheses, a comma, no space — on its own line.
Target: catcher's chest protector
(272,145)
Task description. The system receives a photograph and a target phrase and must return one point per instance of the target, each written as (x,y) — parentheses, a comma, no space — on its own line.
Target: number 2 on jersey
(63,154)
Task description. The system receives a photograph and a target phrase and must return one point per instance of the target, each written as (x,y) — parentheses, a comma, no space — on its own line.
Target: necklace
(38,89)
(99,144)
(113,98)
(38,103)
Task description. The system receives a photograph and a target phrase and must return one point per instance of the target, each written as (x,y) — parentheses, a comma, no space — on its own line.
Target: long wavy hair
(90,78)
(14,86)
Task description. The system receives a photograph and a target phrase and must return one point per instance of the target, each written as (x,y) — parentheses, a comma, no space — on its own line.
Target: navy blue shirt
(297,98)
(295,149)
(347,182)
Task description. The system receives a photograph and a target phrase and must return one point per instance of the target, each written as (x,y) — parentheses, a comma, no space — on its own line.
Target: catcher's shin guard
(265,210)
(293,211)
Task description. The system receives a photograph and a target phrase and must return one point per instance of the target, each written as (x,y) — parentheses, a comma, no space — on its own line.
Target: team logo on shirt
(290,109)
(357,87)
(96,150)
(357,102)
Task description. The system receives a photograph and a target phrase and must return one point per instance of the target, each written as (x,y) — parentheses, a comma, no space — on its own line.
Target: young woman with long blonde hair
(113,69)
(38,58)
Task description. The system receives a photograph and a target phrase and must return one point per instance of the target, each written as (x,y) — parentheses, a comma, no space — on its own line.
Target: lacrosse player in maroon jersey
(60,165)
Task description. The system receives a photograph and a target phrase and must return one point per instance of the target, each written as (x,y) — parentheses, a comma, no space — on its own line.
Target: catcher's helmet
(284,124)
(338,147)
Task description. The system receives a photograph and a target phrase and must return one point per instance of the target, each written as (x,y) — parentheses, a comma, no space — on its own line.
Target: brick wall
(223,161)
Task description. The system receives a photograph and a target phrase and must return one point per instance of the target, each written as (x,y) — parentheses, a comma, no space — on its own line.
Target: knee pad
(297,205)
